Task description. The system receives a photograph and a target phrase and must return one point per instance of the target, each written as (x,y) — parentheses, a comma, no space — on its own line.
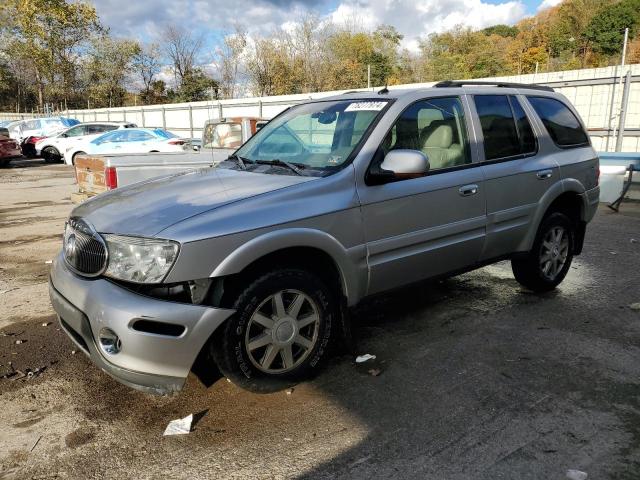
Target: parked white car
(53,148)
(130,140)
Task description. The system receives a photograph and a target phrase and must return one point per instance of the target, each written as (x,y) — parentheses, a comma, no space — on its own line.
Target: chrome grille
(83,248)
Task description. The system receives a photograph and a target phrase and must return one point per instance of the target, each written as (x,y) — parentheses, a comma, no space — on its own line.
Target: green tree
(196,86)
(501,30)
(605,31)
(107,69)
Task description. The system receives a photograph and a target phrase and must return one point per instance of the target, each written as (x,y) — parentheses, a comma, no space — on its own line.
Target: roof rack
(462,83)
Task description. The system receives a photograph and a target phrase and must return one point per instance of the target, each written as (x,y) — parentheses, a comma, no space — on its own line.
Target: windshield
(318,135)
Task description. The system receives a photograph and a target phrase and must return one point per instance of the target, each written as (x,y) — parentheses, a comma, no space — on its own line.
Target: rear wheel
(51,154)
(549,260)
(279,333)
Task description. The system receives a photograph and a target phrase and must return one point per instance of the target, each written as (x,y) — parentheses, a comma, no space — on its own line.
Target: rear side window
(560,122)
(136,136)
(525,132)
(93,129)
(505,127)
(223,135)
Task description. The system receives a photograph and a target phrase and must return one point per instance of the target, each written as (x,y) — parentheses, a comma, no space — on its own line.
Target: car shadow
(474,377)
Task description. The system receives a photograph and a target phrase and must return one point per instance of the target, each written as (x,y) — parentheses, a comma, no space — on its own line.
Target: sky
(145,20)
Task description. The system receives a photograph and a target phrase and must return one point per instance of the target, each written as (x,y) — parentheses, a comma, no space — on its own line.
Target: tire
(29,150)
(73,159)
(279,358)
(51,154)
(548,262)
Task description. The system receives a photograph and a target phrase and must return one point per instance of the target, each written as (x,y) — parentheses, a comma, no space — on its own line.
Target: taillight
(177,142)
(110,178)
(34,140)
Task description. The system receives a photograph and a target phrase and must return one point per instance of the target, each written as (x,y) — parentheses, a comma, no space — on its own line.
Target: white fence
(596,93)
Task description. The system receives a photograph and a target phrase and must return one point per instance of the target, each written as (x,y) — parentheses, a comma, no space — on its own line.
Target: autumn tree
(230,58)
(183,49)
(52,35)
(146,65)
(109,63)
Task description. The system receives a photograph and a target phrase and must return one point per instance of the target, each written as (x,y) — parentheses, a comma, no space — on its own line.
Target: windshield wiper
(240,160)
(283,163)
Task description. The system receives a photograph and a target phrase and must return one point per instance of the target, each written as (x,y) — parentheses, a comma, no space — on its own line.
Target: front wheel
(548,262)
(280,332)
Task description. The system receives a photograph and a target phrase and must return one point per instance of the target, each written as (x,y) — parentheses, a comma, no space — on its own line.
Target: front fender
(350,262)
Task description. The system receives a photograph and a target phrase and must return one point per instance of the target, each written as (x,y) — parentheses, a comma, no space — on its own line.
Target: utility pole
(613,93)
(622,63)
(623,111)
(368,76)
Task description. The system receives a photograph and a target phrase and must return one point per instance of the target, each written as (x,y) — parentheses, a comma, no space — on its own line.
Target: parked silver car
(252,265)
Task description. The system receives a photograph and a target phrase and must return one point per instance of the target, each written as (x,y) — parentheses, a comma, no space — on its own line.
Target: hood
(149,207)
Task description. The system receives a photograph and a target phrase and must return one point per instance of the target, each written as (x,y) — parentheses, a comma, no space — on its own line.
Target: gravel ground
(478,378)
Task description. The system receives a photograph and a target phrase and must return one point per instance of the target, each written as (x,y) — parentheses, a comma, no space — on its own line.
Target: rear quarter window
(563,126)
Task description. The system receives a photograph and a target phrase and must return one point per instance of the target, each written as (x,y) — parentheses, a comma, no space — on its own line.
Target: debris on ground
(36,443)
(613,253)
(633,240)
(73,352)
(17,375)
(8,290)
(635,306)
(374,372)
(49,262)
(181,426)
(576,475)
(289,391)
(46,324)
(34,373)
(365,358)
(19,342)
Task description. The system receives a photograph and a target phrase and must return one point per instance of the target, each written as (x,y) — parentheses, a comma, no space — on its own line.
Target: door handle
(544,174)
(468,190)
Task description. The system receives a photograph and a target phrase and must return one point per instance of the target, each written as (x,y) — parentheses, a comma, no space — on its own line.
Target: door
(137,141)
(422,227)
(517,173)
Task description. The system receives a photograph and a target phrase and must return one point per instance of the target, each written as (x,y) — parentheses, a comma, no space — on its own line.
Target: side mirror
(405,163)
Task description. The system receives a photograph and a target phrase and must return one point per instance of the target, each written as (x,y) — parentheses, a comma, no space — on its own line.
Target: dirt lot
(479,379)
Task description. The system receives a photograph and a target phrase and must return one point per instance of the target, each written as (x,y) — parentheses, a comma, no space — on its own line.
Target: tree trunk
(40,89)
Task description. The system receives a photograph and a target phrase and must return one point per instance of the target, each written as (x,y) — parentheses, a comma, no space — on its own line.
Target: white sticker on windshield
(359,106)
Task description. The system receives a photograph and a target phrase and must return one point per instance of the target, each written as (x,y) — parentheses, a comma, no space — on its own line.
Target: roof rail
(462,83)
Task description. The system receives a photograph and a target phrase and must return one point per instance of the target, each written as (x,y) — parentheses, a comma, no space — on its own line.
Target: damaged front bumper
(153,362)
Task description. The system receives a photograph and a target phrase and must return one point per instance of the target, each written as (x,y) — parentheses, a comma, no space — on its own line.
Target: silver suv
(251,266)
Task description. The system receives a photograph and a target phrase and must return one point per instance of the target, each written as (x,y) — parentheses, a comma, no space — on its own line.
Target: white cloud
(548,4)
(416,19)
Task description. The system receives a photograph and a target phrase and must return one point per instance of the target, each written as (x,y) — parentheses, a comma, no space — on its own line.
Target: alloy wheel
(554,252)
(282,331)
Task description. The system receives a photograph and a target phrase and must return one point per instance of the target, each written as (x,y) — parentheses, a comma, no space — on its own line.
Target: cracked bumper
(150,362)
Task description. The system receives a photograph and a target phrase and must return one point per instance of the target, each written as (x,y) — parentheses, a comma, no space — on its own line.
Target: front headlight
(139,260)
